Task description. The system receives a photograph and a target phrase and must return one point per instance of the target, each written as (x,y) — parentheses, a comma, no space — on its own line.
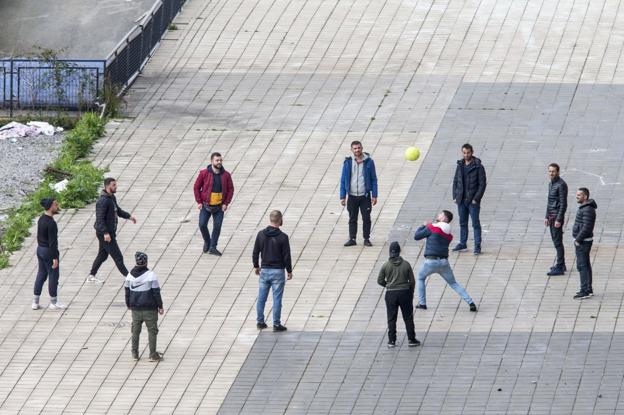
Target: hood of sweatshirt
(590,202)
(138,271)
(365,156)
(396,261)
(443,226)
(272,232)
(475,161)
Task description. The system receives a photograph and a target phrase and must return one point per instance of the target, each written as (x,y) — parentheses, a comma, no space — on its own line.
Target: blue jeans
(274,279)
(217,220)
(442,267)
(472,209)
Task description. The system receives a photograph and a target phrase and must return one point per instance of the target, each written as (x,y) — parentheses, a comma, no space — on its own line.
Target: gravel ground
(22,161)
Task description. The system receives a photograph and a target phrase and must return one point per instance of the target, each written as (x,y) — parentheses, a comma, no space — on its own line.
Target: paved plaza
(281,88)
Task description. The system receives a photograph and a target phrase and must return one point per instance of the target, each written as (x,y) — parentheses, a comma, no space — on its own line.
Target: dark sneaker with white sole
(460,247)
(261,326)
(391,345)
(350,242)
(413,343)
(279,327)
(581,296)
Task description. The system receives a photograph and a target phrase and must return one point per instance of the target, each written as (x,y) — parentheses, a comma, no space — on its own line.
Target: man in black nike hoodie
(398,278)
(583,234)
(143,298)
(273,245)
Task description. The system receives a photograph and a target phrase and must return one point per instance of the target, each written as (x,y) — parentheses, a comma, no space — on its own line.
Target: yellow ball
(412,154)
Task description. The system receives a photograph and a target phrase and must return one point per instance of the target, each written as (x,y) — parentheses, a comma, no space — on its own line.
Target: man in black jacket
(273,245)
(106,212)
(468,188)
(143,298)
(555,216)
(583,234)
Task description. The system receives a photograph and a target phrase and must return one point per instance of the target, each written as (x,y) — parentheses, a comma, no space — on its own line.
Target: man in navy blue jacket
(358,191)
(438,235)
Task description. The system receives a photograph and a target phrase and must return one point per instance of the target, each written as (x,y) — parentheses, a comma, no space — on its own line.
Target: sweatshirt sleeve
(381,278)
(127,290)
(230,195)
(256,252)
(197,187)
(156,292)
(287,258)
(410,277)
(422,232)
(53,239)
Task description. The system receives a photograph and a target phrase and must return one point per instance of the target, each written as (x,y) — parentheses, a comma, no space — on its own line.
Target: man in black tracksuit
(106,212)
(398,278)
(47,255)
(273,245)
(555,216)
(583,233)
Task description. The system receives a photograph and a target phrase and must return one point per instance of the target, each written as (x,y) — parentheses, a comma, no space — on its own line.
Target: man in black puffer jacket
(555,216)
(106,212)
(468,188)
(583,233)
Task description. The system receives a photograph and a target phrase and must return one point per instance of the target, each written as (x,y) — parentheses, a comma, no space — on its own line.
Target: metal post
(10,90)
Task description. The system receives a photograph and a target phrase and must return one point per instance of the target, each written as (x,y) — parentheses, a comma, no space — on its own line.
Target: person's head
(276,218)
(444,216)
(582,195)
(356,148)
(553,170)
(110,185)
(50,205)
(216,160)
(395,249)
(467,152)
(141,259)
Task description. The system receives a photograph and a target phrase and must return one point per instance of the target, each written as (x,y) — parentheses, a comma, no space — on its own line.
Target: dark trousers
(46,271)
(583,265)
(364,205)
(556,234)
(108,248)
(150,317)
(217,221)
(472,210)
(402,299)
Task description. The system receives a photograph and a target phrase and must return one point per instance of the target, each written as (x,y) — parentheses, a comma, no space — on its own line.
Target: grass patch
(82,188)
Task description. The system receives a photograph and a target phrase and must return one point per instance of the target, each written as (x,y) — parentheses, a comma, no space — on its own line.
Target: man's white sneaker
(57,306)
(35,306)
(93,278)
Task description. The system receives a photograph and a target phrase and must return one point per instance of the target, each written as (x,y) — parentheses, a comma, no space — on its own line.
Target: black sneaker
(477,250)
(581,296)
(421,306)
(214,251)
(367,242)
(158,357)
(261,326)
(460,247)
(473,307)
(135,356)
(350,242)
(206,247)
(391,345)
(590,293)
(279,327)
(556,271)
(413,343)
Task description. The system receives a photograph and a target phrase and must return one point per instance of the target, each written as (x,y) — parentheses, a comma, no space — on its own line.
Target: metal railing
(77,84)
(130,55)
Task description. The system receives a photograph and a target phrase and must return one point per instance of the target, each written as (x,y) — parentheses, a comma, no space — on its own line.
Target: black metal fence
(131,54)
(77,84)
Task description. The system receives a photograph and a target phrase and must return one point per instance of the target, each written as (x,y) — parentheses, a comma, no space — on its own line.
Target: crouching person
(398,278)
(143,298)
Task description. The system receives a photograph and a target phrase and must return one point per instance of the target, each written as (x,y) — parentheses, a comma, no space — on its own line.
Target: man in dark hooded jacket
(273,245)
(106,212)
(583,234)
(398,278)
(468,190)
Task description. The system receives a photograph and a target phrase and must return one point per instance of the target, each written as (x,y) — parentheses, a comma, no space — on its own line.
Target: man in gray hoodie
(398,278)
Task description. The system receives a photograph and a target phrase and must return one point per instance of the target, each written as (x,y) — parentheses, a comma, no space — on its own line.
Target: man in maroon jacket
(213,193)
